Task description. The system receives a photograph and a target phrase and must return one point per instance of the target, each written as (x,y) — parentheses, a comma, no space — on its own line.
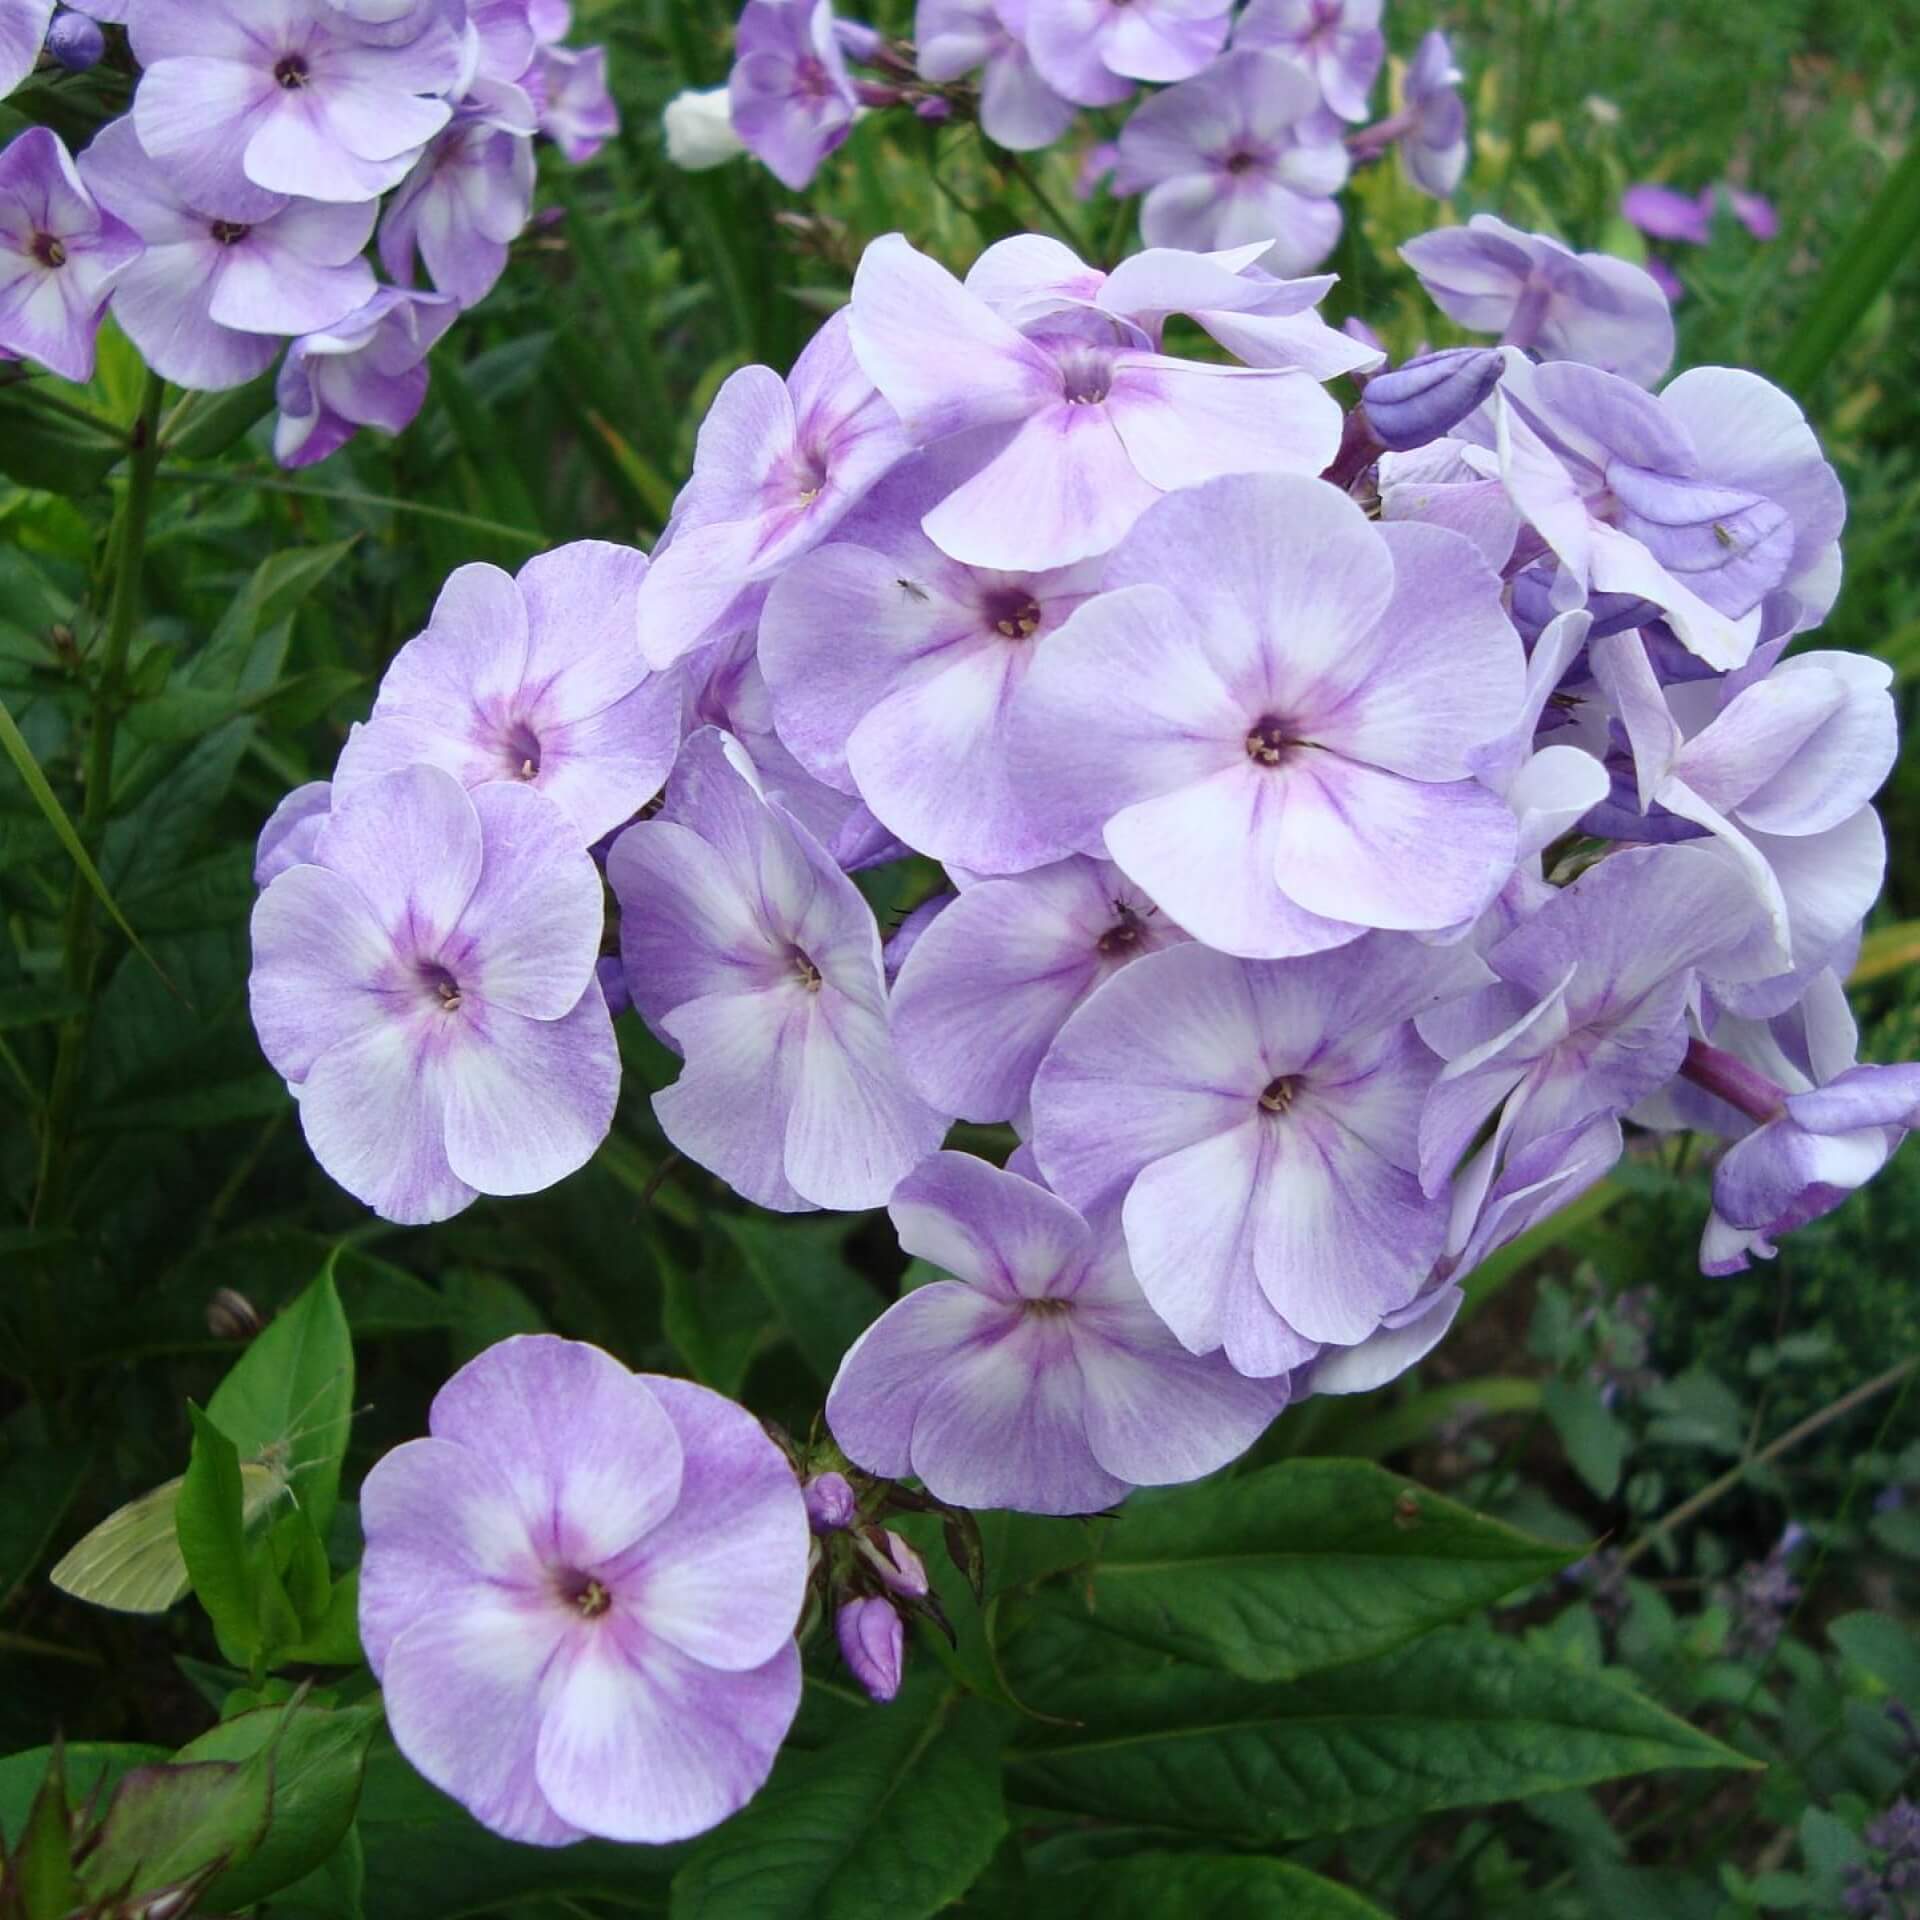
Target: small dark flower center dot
(521,750)
(1239,162)
(1048,1309)
(1278,1096)
(291,72)
(49,251)
(586,1595)
(1019,619)
(804,969)
(1268,741)
(229,232)
(1124,935)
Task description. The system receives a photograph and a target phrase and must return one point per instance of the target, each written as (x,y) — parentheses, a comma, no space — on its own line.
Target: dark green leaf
(891,1821)
(166,1824)
(209,1522)
(278,586)
(1197,1886)
(801,1268)
(1883,1649)
(90,1765)
(715,1320)
(317,1771)
(39,1872)
(1301,1566)
(1595,1441)
(214,421)
(334,1639)
(43,447)
(37,1486)
(1458,1719)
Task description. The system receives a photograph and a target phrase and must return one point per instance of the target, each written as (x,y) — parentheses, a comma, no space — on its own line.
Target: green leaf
(43,446)
(38,1873)
(1884,1650)
(891,1821)
(291,1395)
(1196,1886)
(716,1325)
(278,586)
(1301,1566)
(317,1771)
(14,744)
(212,422)
(801,1268)
(37,1486)
(209,1523)
(170,1823)
(1457,1719)
(1595,1441)
(334,1639)
(90,1765)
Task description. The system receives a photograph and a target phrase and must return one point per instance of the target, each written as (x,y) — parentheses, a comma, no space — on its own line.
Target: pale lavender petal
(1004,1235)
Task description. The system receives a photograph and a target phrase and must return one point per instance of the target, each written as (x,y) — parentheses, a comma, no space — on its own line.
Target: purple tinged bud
(934,109)
(899,1567)
(1755,212)
(830,1502)
(858,41)
(873,1643)
(1668,214)
(76,42)
(1424,400)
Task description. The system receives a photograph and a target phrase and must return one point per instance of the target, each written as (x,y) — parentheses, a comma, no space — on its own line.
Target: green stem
(1062,226)
(126,555)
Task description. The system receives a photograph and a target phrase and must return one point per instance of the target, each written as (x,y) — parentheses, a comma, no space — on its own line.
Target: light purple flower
(991,981)
(1092,51)
(552,20)
(873,1643)
(579,1596)
(1704,502)
(1256,1121)
(779,463)
(61,253)
(1037,1377)
(751,953)
(894,671)
(1427,397)
(369,370)
(533,680)
(1266,719)
(1668,214)
(953,38)
(75,40)
(466,201)
(1779,768)
(1030,281)
(1242,152)
(23,31)
(1536,294)
(698,131)
(1588,1014)
(791,95)
(426,988)
(1755,212)
(245,100)
(1100,430)
(1434,148)
(292,829)
(831,1505)
(1339,42)
(576,109)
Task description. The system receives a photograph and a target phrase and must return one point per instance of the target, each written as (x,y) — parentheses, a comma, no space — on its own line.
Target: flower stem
(126,555)
(1064,228)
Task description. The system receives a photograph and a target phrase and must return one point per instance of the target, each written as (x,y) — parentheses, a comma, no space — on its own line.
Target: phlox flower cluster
(1350,825)
(226,220)
(1252,127)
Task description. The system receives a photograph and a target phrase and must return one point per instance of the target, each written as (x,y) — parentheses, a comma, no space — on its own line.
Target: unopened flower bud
(873,1643)
(901,1570)
(1427,398)
(76,42)
(933,109)
(830,1502)
(699,130)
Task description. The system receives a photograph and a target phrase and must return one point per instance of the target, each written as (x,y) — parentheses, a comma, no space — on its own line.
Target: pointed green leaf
(40,1869)
(91,1765)
(167,1824)
(209,1522)
(1459,1718)
(1197,1886)
(1301,1566)
(801,1268)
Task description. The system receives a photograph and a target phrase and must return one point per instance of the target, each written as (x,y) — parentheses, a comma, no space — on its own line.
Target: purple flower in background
(1037,1377)
(1536,294)
(210,299)
(1241,153)
(698,131)
(1667,214)
(426,988)
(1339,42)
(61,253)
(953,38)
(992,980)
(76,42)
(791,94)
(751,952)
(1780,770)
(1099,431)
(1705,501)
(576,109)
(1433,143)
(292,829)
(534,680)
(23,30)
(369,370)
(244,100)
(1092,51)
(778,464)
(1588,1013)
(1755,212)
(894,671)
(1267,718)
(602,1571)
(1815,1126)
(1256,1122)
(466,201)
(873,1643)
